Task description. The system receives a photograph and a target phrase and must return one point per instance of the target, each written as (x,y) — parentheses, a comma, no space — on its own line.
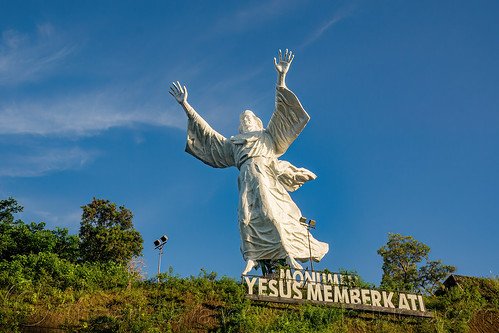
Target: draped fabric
(268,219)
(206,144)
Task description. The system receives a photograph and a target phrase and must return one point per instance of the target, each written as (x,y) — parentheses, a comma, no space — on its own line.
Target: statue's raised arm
(289,117)
(203,142)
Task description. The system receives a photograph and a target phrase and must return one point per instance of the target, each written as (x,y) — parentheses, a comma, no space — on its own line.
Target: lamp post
(310,224)
(159,243)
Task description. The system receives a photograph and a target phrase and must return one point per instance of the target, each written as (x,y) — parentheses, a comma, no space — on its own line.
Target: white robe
(268,219)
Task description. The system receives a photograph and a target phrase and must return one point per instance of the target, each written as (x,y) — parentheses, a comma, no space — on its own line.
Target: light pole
(159,243)
(310,224)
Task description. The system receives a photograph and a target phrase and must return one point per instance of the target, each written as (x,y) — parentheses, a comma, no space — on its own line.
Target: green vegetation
(401,256)
(47,284)
(205,303)
(107,233)
(20,239)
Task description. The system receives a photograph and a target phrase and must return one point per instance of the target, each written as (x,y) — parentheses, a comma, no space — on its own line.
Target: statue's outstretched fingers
(180,87)
(173,92)
(291,58)
(286,54)
(280,55)
(176,88)
(275,62)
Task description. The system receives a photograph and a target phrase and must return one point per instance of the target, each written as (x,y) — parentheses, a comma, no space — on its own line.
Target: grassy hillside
(205,303)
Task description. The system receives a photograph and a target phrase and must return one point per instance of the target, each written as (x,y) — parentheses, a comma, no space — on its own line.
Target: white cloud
(44,160)
(264,10)
(65,113)
(82,114)
(54,211)
(337,17)
(252,16)
(61,219)
(25,57)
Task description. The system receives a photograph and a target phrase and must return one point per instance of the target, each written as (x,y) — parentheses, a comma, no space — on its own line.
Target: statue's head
(248,122)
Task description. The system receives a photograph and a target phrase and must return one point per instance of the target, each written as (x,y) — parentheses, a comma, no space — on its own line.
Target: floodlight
(311,224)
(159,243)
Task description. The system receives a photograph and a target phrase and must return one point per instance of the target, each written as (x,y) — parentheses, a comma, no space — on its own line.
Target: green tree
(9,207)
(20,238)
(107,233)
(402,256)
(431,275)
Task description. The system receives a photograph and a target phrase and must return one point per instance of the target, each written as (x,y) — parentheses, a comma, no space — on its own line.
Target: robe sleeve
(206,144)
(288,120)
(291,177)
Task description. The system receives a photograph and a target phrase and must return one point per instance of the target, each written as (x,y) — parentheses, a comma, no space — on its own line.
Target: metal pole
(310,248)
(159,263)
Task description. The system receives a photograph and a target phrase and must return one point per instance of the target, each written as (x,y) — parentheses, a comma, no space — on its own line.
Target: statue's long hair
(249,112)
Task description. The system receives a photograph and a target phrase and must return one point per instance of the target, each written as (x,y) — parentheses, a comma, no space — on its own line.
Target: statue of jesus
(268,219)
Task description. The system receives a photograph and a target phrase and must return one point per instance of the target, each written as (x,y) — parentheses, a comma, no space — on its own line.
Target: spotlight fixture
(309,225)
(158,244)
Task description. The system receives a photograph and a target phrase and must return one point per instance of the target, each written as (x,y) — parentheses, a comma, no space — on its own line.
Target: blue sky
(404,131)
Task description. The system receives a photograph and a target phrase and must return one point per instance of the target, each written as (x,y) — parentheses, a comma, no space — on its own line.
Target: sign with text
(332,289)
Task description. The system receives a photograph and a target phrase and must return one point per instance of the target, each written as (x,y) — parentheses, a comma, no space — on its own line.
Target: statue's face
(249,122)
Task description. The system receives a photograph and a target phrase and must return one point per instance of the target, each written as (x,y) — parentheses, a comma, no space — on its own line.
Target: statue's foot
(249,266)
(293,263)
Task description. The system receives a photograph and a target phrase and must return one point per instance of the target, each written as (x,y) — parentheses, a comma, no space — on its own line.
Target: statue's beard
(250,128)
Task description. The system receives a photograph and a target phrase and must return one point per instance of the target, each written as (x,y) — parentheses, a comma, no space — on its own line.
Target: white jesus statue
(268,219)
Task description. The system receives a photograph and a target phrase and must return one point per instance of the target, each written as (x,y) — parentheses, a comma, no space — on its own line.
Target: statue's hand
(283,66)
(179,92)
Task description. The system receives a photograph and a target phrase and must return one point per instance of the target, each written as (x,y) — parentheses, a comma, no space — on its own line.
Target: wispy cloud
(54,211)
(64,219)
(41,161)
(82,114)
(25,57)
(252,16)
(264,10)
(30,57)
(337,17)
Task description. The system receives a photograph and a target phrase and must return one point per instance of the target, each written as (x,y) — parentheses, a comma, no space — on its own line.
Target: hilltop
(206,303)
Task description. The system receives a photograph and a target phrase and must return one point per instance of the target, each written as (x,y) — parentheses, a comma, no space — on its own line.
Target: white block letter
(364,294)
(341,296)
(273,288)
(375,297)
(298,274)
(413,298)
(387,300)
(250,284)
(421,303)
(261,286)
(355,296)
(403,302)
(281,289)
(328,293)
(298,294)
(312,294)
